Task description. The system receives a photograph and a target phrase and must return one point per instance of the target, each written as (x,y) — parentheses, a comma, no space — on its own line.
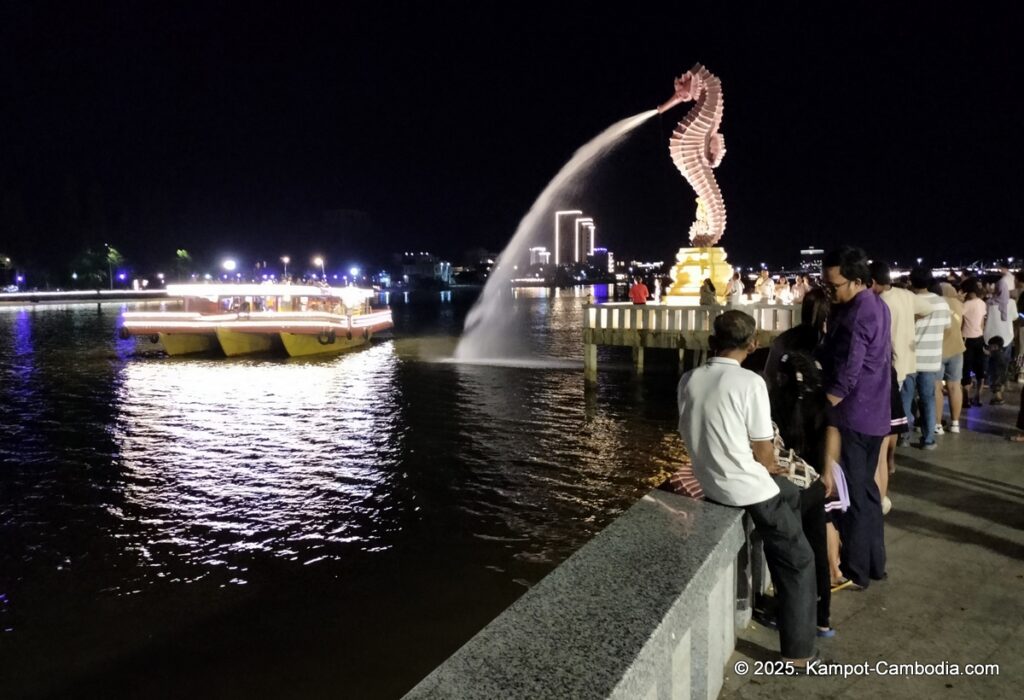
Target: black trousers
(812,511)
(860,527)
(791,563)
(974,360)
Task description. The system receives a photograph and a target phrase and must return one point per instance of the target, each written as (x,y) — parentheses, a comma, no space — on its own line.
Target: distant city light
(320,261)
(229,265)
(74,275)
(121,276)
(353,271)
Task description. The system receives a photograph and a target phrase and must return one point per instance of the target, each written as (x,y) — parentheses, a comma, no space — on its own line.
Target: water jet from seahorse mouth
(489,331)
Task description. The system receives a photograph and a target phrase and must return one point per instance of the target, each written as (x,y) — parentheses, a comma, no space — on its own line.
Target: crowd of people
(872,360)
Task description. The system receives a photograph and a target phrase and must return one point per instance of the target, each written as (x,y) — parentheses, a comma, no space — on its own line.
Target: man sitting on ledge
(725,421)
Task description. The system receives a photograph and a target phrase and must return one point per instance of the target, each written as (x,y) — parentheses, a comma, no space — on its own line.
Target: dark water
(336,527)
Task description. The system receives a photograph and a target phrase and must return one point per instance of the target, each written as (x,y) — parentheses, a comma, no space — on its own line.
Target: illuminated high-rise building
(810,259)
(539,255)
(564,235)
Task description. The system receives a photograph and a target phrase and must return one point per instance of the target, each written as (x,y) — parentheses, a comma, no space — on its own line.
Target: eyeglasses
(831,289)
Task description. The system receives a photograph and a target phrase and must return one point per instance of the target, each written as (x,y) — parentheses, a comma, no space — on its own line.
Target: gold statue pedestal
(693,266)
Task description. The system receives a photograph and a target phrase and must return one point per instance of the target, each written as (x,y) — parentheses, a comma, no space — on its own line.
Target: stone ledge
(645,609)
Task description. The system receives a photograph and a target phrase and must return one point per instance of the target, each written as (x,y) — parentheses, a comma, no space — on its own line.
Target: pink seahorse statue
(696,147)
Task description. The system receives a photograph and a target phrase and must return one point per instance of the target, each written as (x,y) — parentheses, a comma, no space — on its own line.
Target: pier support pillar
(638,358)
(590,362)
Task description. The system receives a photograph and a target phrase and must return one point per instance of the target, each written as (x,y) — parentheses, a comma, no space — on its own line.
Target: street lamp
(285,259)
(320,261)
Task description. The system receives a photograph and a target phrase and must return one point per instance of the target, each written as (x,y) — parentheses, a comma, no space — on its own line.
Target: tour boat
(242,319)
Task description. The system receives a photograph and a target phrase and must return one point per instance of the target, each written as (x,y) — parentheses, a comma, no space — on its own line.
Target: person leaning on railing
(725,421)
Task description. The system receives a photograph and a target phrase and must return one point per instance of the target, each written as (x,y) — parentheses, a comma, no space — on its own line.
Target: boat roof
(350,295)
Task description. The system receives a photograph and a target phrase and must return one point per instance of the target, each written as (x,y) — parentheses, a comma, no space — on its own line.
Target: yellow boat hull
(300,345)
(187,343)
(234,343)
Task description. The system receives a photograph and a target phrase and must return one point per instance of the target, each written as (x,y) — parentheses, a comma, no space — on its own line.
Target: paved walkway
(955,592)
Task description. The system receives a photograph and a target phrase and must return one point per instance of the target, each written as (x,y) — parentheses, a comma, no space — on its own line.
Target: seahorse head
(688,87)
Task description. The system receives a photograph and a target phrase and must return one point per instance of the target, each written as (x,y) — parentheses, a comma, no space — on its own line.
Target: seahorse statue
(696,147)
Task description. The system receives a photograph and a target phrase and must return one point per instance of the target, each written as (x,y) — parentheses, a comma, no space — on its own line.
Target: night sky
(230,128)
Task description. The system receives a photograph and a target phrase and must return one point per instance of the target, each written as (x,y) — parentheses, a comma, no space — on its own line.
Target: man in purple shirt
(857,359)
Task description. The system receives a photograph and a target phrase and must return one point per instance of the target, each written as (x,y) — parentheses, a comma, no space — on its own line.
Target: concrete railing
(681,328)
(666,318)
(647,609)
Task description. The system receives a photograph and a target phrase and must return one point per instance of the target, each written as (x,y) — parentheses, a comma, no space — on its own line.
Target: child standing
(997,365)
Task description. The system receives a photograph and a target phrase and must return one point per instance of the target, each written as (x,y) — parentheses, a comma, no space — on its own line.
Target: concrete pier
(683,328)
(647,609)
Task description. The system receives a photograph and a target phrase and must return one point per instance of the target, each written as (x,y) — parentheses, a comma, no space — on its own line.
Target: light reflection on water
(288,458)
(260,519)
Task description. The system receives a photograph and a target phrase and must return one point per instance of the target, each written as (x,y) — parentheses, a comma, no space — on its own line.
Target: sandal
(1016,438)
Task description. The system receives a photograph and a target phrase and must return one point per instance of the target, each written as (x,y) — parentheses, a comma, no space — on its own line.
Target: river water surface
(266,527)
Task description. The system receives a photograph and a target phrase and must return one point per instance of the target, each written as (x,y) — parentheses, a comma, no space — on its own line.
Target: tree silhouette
(182,262)
(114,260)
(6,264)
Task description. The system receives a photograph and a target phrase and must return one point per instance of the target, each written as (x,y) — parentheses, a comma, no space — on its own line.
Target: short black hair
(969,286)
(852,263)
(921,278)
(996,340)
(880,272)
(733,330)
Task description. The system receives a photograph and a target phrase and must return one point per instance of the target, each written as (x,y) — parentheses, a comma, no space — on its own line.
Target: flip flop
(1016,438)
(827,632)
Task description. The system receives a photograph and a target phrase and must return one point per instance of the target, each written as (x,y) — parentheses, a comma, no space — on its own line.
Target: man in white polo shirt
(725,421)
